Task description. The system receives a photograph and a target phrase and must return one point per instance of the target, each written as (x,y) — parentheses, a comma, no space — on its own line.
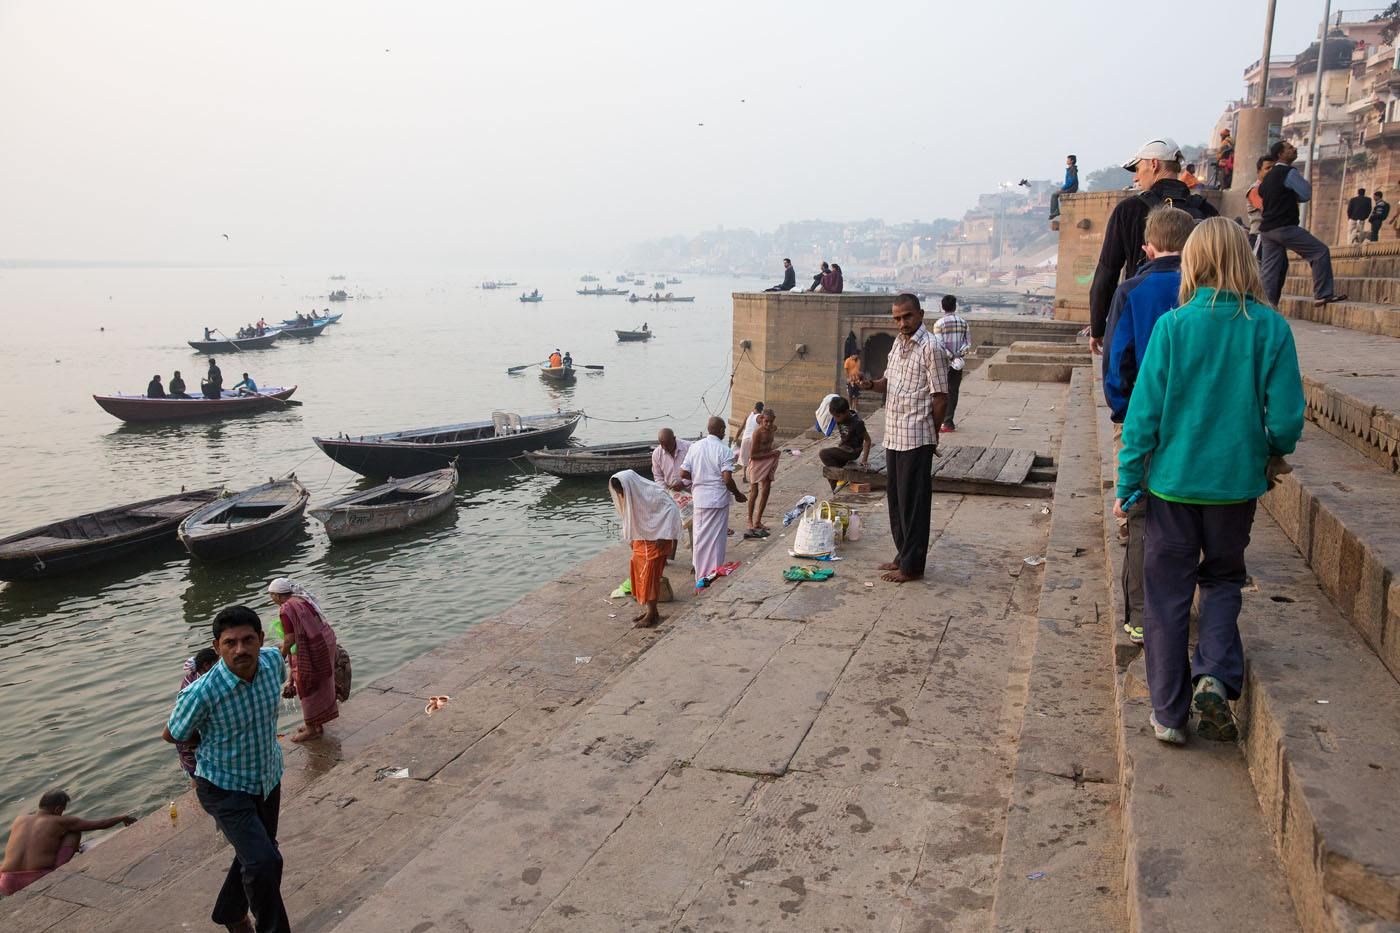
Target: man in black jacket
(1282,190)
(1155,168)
(817,279)
(789,278)
(1358,212)
(1378,215)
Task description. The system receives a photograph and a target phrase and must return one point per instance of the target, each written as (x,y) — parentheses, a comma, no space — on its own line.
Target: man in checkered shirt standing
(916,398)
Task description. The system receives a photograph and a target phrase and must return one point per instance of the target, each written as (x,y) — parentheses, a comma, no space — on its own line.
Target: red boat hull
(139,408)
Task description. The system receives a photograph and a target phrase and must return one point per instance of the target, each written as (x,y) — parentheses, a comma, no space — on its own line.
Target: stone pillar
(771,370)
(1083,217)
(1257,129)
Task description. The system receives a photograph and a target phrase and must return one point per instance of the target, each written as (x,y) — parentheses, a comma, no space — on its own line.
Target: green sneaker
(1167,733)
(1217,722)
(1134,632)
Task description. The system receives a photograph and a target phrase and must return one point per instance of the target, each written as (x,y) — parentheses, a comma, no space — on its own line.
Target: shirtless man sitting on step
(44,840)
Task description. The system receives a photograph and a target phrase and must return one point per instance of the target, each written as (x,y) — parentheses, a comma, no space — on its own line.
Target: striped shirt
(952,331)
(237,725)
(917,370)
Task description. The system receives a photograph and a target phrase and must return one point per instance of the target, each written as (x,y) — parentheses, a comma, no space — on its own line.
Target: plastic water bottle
(853,527)
(174,814)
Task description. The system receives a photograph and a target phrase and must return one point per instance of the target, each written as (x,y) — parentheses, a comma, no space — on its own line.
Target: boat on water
(672,280)
(600,290)
(97,537)
(632,336)
(659,284)
(328,318)
(391,506)
(556,373)
(306,330)
(339,295)
(337,278)
(531,297)
(639,282)
(621,279)
(588,278)
(596,461)
(226,345)
(246,522)
(420,450)
(659,298)
(141,408)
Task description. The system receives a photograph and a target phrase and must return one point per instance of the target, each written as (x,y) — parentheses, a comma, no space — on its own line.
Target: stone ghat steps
(1370,318)
(1318,779)
(1346,263)
(1352,385)
(1338,509)
(1363,288)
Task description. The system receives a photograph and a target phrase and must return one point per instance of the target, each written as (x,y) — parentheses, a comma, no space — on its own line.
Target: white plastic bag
(816,532)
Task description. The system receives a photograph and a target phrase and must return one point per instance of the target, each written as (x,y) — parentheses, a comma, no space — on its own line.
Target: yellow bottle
(174,813)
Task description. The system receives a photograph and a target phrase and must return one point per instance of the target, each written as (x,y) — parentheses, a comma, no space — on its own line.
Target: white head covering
(284,587)
(648,512)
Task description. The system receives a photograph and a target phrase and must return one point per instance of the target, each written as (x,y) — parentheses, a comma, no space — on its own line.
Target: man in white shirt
(916,399)
(750,426)
(709,468)
(666,459)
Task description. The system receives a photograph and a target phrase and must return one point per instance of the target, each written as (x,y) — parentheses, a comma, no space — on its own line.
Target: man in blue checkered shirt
(230,715)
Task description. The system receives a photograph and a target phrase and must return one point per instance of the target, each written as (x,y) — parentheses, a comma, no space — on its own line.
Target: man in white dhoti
(709,468)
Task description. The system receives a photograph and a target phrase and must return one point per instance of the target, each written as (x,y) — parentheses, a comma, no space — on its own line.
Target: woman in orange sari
(651,521)
(312,667)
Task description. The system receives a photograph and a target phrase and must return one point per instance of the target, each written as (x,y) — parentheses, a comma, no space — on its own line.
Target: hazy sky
(485,132)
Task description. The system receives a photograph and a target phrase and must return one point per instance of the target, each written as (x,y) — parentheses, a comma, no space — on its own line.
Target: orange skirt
(648,563)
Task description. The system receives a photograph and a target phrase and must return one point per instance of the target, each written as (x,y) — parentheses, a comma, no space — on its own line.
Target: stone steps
(1370,318)
(1333,508)
(1352,385)
(1351,262)
(1366,288)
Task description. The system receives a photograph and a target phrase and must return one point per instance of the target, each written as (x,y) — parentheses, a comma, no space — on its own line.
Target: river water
(89,664)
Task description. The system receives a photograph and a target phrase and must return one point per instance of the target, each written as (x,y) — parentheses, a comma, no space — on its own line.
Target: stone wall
(1083,217)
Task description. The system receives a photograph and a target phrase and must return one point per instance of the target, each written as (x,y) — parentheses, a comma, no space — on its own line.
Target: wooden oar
(594,366)
(516,369)
(236,347)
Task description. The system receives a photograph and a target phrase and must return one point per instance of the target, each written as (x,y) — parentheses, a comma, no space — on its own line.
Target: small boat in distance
(672,280)
(391,506)
(337,278)
(141,408)
(246,522)
(225,345)
(588,278)
(531,297)
(596,461)
(659,298)
(621,279)
(306,330)
(339,295)
(659,284)
(97,537)
(600,290)
(632,336)
(420,450)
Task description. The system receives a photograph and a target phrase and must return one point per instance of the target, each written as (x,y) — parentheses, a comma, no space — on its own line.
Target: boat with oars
(98,537)
(600,460)
(391,506)
(634,336)
(420,450)
(306,330)
(556,374)
(327,317)
(223,344)
(246,522)
(135,408)
(532,297)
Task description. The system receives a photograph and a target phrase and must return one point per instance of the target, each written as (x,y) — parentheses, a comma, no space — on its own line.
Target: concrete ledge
(1365,288)
(1351,315)
(1329,507)
(1031,372)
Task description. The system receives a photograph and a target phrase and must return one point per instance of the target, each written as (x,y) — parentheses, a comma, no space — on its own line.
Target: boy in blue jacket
(1137,304)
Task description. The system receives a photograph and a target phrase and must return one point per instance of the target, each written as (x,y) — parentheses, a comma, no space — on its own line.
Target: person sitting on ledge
(44,840)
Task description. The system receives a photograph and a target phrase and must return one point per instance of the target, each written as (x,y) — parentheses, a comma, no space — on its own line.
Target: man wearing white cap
(1155,168)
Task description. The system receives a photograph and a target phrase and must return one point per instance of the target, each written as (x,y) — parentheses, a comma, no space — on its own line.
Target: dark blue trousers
(1187,547)
(254,880)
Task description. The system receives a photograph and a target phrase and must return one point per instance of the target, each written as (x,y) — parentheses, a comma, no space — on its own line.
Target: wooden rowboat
(598,460)
(246,522)
(234,346)
(141,408)
(306,330)
(629,336)
(419,450)
(557,373)
(97,537)
(392,506)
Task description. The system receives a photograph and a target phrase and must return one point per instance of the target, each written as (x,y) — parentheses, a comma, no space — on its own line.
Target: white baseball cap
(1165,150)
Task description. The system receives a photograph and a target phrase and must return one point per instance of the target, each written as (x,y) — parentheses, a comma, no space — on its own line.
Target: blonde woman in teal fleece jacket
(1218,394)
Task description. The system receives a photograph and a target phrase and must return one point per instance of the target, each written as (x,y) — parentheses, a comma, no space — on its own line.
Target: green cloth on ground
(1219,393)
(800,574)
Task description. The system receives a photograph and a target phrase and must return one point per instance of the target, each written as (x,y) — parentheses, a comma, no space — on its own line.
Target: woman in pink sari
(312,677)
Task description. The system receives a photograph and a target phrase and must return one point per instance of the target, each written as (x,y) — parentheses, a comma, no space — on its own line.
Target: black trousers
(909,495)
(254,880)
(1189,548)
(954,384)
(837,456)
